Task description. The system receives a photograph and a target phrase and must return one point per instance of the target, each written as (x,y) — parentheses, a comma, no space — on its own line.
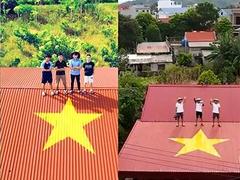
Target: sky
(121,1)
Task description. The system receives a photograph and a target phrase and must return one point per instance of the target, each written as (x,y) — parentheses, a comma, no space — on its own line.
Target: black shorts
(46,77)
(198,114)
(216,115)
(179,115)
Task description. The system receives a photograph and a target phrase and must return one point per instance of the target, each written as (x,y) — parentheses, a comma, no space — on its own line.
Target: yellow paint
(198,142)
(69,123)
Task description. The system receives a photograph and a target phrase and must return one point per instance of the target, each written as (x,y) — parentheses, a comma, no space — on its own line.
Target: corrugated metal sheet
(200,36)
(31,78)
(23,134)
(148,153)
(148,149)
(160,102)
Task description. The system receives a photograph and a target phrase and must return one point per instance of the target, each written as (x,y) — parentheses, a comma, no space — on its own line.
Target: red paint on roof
(23,134)
(149,150)
(31,78)
(200,36)
(161,100)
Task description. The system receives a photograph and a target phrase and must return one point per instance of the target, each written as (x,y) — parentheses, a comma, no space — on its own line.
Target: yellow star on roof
(69,123)
(198,142)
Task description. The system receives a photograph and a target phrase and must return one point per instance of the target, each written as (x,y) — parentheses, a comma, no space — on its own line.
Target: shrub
(3,35)
(184,59)
(88,48)
(107,32)
(15,62)
(208,77)
(73,30)
(24,34)
(24,11)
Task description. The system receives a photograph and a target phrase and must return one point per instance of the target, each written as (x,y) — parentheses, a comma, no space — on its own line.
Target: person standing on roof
(199,109)
(216,110)
(180,110)
(60,66)
(88,73)
(75,66)
(47,73)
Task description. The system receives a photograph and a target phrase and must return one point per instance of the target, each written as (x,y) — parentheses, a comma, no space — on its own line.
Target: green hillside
(54,28)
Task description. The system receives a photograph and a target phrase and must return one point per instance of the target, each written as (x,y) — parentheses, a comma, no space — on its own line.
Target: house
(150,57)
(168,4)
(134,10)
(156,149)
(235,19)
(197,41)
(24,134)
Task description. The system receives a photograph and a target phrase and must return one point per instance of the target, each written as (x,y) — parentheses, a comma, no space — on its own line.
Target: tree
(153,33)
(129,33)
(184,59)
(145,20)
(207,14)
(223,25)
(208,77)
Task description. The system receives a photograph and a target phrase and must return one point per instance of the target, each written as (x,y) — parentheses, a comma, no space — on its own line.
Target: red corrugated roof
(160,102)
(150,153)
(23,133)
(31,77)
(200,36)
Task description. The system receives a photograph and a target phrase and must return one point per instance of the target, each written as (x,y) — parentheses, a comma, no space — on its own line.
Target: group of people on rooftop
(75,65)
(199,110)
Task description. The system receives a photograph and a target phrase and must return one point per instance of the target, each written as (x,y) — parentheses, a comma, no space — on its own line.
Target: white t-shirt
(179,107)
(216,107)
(199,107)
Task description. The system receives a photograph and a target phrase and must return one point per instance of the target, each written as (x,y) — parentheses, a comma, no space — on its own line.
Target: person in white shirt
(199,109)
(180,110)
(216,110)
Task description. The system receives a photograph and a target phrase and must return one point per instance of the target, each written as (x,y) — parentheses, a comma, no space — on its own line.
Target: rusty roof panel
(161,99)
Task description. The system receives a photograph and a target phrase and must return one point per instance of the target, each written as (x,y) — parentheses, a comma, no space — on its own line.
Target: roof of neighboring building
(156,148)
(200,36)
(172,11)
(24,134)
(153,47)
(149,59)
(199,44)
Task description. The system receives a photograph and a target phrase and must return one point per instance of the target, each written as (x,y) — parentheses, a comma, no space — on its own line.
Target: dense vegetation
(32,28)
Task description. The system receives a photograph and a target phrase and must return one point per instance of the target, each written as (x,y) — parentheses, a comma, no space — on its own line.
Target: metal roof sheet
(200,36)
(31,77)
(153,47)
(161,99)
(23,133)
(148,149)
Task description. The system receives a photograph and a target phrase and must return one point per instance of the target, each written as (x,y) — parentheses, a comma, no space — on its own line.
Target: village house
(133,10)
(150,57)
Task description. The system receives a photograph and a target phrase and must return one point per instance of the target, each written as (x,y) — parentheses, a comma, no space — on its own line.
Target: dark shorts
(198,114)
(179,115)
(216,115)
(46,77)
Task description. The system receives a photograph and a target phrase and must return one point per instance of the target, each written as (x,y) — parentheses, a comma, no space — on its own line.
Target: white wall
(168,4)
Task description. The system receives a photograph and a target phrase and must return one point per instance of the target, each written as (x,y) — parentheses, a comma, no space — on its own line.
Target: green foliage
(108,32)
(24,11)
(112,55)
(73,30)
(226,58)
(177,75)
(15,62)
(184,59)
(25,35)
(88,48)
(223,26)
(208,77)
(153,33)
(3,35)
(132,29)
(56,45)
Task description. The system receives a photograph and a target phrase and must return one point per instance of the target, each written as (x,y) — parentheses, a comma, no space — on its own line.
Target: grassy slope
(55,17)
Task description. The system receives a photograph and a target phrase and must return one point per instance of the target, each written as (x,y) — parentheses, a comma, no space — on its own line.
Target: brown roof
(153,48)
(200,36)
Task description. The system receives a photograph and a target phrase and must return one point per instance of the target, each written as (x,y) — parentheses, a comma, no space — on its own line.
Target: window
(238,20)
